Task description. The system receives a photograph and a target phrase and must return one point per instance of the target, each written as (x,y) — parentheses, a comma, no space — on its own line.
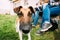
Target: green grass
(7,31)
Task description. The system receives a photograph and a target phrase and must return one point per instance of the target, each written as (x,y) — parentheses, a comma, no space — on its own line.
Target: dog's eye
(29,14)
(20,14)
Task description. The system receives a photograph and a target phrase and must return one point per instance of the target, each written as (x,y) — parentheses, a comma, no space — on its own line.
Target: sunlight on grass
(7,31)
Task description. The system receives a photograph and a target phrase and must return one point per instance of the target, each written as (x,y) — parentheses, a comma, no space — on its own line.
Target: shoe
(45,26)
(33,26)
(38,32)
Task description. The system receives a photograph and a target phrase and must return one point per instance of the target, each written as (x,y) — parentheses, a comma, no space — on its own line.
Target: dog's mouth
(25,28)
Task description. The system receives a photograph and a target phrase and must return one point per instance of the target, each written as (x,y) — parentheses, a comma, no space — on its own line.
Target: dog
(23,22)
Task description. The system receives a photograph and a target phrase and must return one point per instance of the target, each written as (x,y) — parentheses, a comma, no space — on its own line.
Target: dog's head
(24,15)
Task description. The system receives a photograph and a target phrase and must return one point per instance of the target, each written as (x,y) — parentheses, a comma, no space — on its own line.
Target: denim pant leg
(55,10)
(46,15)
(35,17)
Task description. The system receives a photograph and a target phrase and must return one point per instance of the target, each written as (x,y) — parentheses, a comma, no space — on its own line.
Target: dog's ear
(31,9)
(17,9)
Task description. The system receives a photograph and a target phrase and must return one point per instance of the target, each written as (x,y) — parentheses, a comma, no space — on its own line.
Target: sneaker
(38,32)
(33,25)
(45,27)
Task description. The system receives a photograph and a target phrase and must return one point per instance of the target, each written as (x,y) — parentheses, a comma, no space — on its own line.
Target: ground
(7,31)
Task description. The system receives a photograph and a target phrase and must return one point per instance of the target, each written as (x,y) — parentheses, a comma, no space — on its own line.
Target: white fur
(20,32)
(17,27)
(29,37)
(20,35)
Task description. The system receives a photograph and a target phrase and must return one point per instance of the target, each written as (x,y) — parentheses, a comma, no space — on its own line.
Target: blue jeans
(35,17)
(46,14)
(55,10)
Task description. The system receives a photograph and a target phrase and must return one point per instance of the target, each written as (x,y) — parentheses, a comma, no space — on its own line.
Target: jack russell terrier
(23,22)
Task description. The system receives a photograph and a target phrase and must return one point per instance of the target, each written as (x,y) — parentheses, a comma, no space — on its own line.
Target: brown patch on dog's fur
(24,14)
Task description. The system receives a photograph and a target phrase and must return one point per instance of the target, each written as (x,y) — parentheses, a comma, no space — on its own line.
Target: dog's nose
(25,31)
(25,27)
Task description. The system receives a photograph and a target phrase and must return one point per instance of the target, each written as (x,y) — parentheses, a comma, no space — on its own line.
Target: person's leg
(55,10)
(46,17)
(45,24)
(46,13)
(35,17)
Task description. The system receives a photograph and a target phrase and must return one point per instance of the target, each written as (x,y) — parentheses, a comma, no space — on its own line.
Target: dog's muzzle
(25,27)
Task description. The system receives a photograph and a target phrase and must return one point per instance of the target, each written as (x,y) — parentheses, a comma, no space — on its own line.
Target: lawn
(7,31)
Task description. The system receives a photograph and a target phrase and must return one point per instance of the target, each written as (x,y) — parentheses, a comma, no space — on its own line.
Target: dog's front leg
(29,37)
(17,25)
(20,35)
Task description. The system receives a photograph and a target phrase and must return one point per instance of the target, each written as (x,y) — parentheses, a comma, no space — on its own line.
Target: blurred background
(7,24)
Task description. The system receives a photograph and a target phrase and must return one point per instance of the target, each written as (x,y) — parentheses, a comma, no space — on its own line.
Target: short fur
(23,23)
